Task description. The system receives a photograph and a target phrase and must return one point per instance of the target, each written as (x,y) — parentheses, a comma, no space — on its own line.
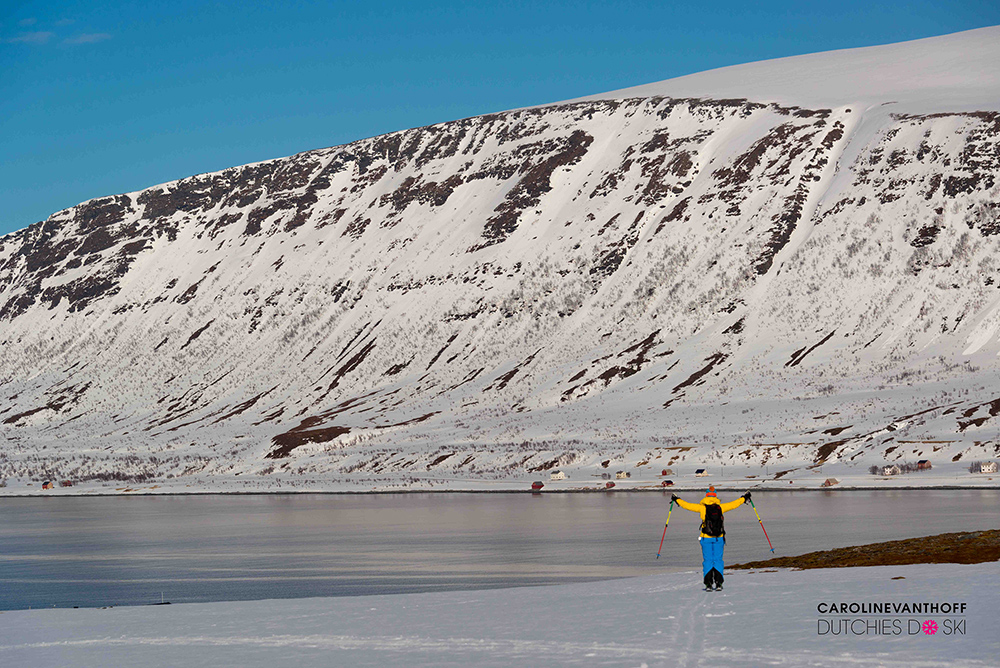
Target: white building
(557,475)
(623,474)
(988,467)
(891,470)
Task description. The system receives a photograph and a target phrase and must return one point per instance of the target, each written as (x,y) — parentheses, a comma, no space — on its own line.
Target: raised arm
(726,507)
(693,507)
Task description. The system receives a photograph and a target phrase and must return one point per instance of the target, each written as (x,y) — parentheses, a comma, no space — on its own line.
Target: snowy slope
(761,618)
(958,72)
(636,283)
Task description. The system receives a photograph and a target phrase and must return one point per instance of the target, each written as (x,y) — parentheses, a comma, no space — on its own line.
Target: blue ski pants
(711,553)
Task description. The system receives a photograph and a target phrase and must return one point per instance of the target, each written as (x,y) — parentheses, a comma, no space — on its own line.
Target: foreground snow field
(761,618)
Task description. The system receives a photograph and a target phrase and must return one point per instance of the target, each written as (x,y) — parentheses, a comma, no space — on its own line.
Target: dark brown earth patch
(744,165)
(502,381)
(925,236)
(736,327)
(331,218)
(827,449)
(781,232)
(833,135)
(352,363)
(611,180)
(396,368)
(270,417)
(469,377)
(621,371)
(712,360)
(614,254)
(994,410)
(356,228)
(675,214)
(249,403)
(441,352)
(933,185)
(357,335)
(406,423)
(413,190)
(801,353)
(634,365)
(438,460)
(966,547)
(197,333)
(188,294)
(102,212)
(544,466)
(293,439)
(19,416)
(530,189)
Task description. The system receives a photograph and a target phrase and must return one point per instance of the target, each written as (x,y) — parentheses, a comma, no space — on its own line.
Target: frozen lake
(78,551)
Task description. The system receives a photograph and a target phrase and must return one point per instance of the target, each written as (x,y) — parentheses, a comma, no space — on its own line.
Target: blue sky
(103,98)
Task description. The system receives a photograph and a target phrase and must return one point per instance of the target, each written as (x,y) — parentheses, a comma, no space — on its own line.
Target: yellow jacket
(701,505)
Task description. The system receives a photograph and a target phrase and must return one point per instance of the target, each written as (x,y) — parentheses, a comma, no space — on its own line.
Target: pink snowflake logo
(930,627)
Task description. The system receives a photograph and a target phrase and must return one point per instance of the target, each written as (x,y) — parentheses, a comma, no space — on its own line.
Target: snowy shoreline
(586,477)
(520,485)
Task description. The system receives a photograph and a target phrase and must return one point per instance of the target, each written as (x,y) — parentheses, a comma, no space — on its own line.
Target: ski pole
(761,525)
(669,510)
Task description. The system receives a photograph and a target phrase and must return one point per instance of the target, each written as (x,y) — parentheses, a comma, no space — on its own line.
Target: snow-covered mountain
(708,270)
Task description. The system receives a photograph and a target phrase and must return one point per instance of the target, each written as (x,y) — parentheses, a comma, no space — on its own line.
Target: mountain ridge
(952,72)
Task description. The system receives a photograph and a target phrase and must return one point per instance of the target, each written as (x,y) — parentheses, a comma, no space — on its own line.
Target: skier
(713,533)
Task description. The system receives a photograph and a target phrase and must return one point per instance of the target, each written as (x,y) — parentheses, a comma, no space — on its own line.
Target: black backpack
(712,526)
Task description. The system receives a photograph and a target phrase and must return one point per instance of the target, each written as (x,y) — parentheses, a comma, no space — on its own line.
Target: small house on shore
(557,475)
(667,483)
(48,485)
(701,473)
(621,475)
(988,467)
(666,472)
(830,482)
(537,486)
(66,483)
(891,470)
(923,465)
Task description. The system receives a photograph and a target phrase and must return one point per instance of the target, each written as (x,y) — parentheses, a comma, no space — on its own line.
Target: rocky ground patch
(966,547)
